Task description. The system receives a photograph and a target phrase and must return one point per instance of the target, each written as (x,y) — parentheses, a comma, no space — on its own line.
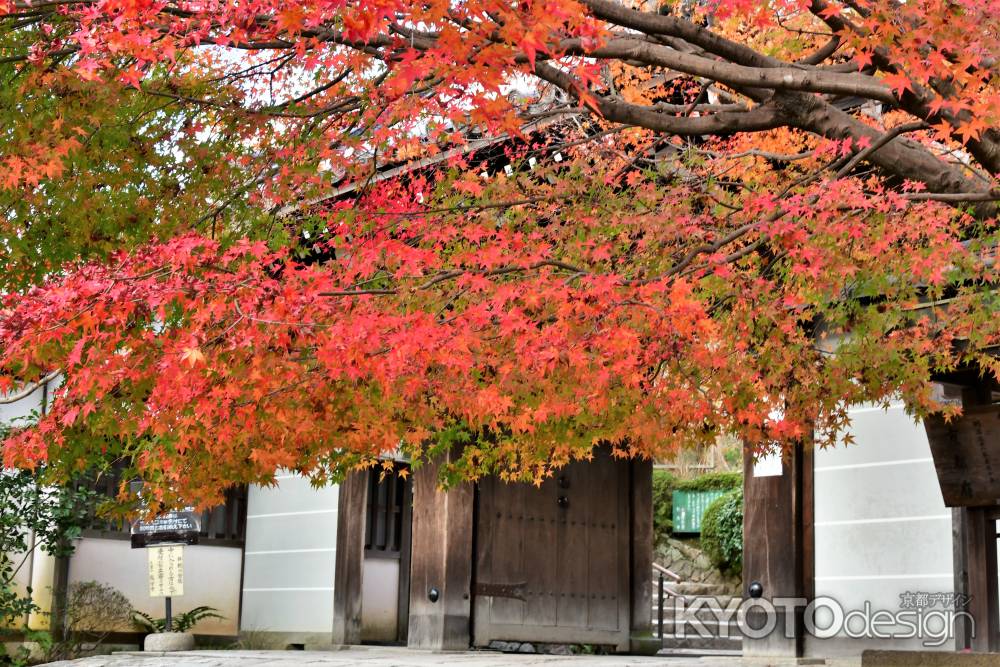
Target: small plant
(178,623)
(722,532)
(93,611)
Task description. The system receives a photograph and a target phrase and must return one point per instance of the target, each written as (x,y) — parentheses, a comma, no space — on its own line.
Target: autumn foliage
(303,235)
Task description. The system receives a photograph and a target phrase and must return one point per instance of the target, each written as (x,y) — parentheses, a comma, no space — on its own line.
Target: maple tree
(303,234)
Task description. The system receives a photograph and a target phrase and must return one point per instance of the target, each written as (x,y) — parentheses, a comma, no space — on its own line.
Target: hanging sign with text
(181,526)
(166,571)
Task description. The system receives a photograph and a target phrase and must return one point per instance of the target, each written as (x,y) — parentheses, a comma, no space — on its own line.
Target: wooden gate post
(441,562)
(351,511)
(975,550)
(641,551)
(778,541)
(966,450)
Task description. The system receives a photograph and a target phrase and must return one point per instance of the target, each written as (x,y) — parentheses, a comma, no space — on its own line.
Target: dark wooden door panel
(507,566)
(540,537)
(552,561)
(606,562)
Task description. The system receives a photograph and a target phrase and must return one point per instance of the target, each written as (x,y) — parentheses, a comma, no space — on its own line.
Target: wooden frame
(641,557)
(440,563)
(349,559)
(975,556)
(441,553)
(405,558)
(966,452)
(352,525)
(779,544)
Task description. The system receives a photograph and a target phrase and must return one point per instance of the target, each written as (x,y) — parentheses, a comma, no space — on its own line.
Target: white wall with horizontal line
(882,528)
(290,562)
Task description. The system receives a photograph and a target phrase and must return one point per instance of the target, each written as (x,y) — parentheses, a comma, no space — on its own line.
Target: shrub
(663,503)
(93,611)
(712,481)
(722,532)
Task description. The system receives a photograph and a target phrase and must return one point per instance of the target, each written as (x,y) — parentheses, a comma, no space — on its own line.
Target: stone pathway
(401,657)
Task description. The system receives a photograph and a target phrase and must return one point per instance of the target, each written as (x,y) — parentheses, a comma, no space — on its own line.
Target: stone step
(705,615)
(700,653)
(669,602)
(695,588)
(690,626)
(702,643)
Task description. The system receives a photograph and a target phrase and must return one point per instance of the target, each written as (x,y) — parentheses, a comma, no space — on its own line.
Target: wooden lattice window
(387,511)
(223,525)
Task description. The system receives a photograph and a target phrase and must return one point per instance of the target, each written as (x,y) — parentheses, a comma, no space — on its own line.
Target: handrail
(662,570)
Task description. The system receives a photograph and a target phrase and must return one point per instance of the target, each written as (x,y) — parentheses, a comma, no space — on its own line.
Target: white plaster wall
(25,562)
(14,413)
(211,577)
(379,599)
(882,529)
(42,571)
(290,560)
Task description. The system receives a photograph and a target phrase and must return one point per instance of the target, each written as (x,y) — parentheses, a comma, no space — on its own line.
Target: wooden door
(552,562)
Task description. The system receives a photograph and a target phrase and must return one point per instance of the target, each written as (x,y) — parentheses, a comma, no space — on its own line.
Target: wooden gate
(552,562)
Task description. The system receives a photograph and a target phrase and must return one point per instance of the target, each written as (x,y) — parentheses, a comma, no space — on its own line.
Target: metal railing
(661,574)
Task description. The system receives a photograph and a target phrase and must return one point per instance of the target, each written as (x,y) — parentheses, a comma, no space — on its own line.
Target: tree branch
(774,78)
(757,119)
(28,390)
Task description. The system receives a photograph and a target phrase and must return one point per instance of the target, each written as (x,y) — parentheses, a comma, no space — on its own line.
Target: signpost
(164,538)
(689,507)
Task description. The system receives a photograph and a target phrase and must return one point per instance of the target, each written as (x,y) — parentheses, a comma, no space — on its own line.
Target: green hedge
(664,485)
(722,532)
(712,481)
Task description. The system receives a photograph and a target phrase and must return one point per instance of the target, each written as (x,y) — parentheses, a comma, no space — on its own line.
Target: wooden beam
(351,515)
(966,453)
(641,552)
(440,561)
(778,546)
(975,549)
(405,554)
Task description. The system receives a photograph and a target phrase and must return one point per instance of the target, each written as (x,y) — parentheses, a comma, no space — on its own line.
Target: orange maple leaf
(193,356)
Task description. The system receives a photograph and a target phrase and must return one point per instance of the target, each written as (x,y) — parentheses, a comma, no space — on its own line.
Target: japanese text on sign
(166,571)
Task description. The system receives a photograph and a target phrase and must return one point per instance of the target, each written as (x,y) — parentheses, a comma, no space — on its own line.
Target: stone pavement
(401,657)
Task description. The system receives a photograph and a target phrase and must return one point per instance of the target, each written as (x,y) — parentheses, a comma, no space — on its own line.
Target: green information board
(689,507)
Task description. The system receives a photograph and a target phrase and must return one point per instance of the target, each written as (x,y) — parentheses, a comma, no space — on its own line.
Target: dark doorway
(385,587)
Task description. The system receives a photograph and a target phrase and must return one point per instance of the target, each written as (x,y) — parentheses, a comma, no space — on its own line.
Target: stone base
(644,645)
(168,641)
(928,659)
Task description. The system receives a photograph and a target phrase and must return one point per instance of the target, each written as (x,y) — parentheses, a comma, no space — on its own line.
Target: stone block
(166,642)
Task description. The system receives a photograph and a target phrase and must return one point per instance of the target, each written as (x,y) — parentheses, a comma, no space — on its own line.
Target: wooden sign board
(181,526)
(166,571)
(966,455)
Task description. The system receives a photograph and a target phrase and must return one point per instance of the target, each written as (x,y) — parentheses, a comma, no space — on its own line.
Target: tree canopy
(306,234)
